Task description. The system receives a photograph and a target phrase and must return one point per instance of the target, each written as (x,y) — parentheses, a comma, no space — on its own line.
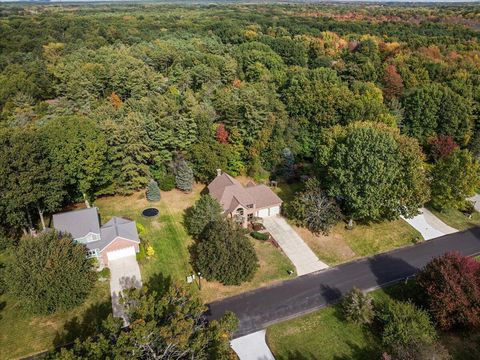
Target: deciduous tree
(454,178)
(452,290)
(50,273)
(205,211)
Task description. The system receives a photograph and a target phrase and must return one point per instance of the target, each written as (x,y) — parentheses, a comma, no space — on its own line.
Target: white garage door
(275,210)
(263,213)
(117,254)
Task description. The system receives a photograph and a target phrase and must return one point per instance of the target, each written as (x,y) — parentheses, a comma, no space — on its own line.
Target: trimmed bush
(259,236)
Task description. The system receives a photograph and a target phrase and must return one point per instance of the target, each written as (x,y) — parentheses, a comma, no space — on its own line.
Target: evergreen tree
(153,191)
(224,253)
(288,164)
(183,176)
(205,211)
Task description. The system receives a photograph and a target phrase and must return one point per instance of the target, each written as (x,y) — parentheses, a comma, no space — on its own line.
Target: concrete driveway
(124,274)
(252,347)
(429,225)
(293,246)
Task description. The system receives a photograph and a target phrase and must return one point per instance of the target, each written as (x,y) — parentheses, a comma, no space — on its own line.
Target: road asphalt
(263,307)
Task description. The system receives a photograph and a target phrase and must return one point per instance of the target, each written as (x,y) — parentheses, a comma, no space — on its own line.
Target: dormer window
(90,237)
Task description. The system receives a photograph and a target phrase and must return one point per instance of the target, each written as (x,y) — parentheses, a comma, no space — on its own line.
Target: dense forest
(97,100)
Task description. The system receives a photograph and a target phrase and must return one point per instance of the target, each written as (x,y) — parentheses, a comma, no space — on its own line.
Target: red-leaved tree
(392,82)
(452,287)
(441,146)
(221,134)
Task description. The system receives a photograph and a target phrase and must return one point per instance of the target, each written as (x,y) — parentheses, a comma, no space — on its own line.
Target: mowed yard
(326,335)
(342,245)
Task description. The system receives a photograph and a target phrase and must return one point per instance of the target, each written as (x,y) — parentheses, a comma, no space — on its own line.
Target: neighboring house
(244,203)
(116,239)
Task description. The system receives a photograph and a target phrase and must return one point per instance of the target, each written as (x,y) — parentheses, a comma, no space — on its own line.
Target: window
(250,206)
(90,237)
(92,253)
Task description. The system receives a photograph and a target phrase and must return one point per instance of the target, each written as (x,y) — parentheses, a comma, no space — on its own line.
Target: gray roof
(81,222)
(78,223)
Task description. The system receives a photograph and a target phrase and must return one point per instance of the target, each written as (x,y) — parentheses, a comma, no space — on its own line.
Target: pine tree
(153,191)
(183,176)
(288,164)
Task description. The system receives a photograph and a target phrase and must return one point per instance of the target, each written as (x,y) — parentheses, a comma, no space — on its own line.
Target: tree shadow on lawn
(85,326)
(159,283)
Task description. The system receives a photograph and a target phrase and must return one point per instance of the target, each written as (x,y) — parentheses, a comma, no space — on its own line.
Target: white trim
(115,239)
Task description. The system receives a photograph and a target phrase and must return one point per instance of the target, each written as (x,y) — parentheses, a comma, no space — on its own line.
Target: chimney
(219,172)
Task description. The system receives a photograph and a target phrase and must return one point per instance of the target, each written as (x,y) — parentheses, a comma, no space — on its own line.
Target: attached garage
(271,211)
(118,254)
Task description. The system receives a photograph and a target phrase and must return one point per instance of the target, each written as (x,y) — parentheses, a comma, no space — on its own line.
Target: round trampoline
(150,212)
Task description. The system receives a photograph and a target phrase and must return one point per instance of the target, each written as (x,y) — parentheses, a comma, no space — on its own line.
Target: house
(116,239)
(243,203)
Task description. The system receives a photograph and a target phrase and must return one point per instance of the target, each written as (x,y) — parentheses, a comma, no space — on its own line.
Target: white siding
(274,210)
(263,213)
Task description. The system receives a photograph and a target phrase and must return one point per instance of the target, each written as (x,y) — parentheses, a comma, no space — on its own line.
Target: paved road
(302,257)
(262,307)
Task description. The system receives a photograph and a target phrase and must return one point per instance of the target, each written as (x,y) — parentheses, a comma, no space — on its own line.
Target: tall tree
(183,175)
(128,152)
(454,178)
(166,325)
(451,284)
(78,146)
(224,253)
(50,273)
(29,180)
(205,211)
(376,172)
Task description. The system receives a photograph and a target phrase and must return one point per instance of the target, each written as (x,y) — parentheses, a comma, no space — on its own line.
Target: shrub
(150,251)
(357,307)
(404,326)
(50,273)
(205,210)
(153,191)
(259,236)
(104,273)
(140,230)
(167,182)
(224,253)
(452,288)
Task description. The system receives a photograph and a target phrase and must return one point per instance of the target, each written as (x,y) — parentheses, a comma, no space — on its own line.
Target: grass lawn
(23,334)
(343,245)
(322,335)
(325,335)
(456,219)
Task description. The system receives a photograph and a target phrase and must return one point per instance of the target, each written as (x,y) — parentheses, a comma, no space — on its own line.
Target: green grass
(325,335)
(165,233)
(367,240)
(23,334)
(456,219)
(321,335)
